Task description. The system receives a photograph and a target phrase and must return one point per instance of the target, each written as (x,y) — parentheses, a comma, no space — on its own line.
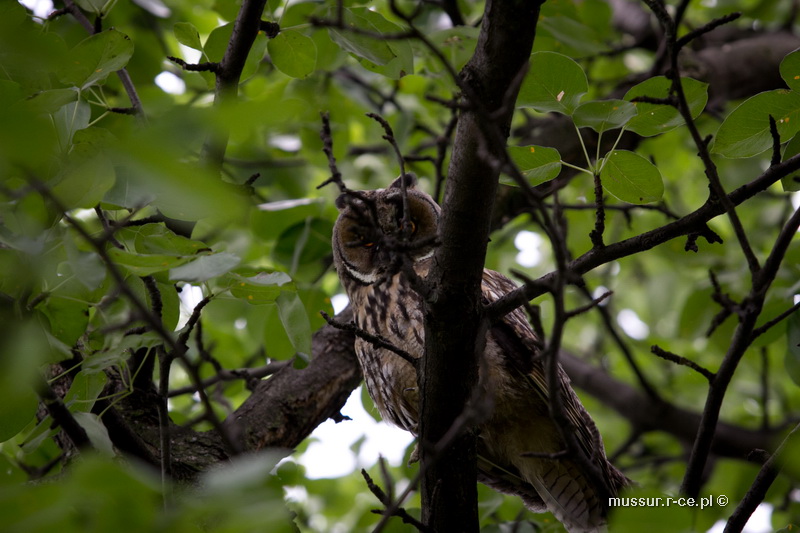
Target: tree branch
(453,312)
(648,414)
(741,340)
(229,71)
(769,471)
(693,222)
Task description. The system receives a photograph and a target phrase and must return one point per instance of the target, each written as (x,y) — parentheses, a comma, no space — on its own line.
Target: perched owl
(370,237)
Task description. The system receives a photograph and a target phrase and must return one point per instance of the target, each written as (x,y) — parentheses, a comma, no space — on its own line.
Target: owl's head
(370,232)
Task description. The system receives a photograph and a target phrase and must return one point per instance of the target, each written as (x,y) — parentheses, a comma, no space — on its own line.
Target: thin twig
(122,74)
(327,148)
(712,174)
(702,30)
(612,328)
(682,361)
(742,338)
(588,307)
(245,374)
(758,490)
(376,340)
(775,321)
(596,235)
(390,509)
(776,142)
(208,66)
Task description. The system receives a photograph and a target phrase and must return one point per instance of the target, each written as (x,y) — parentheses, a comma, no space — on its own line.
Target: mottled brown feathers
(520,449)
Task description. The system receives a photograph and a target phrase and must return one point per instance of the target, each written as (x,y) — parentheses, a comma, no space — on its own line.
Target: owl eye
(368,244)
(412,226)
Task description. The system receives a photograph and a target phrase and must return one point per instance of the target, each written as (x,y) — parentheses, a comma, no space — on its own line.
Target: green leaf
(96,431)
(302,247)
(171,305)
(277,344)
(187,35)
(791,183)
(653,119)
(792,359)
(273,218)
(100,360)
(217,43)
(117,352)
(554,83)
(604,115)
(18,407)
(458,44)
(85,388)
(392,58)
(158,239)
(263,288)
(745,132)
(148,174)
(295,321)
(790,70)
(93,59)
(68,318)
(92,6)
(631,178)
(154,7)
(145,264)
(205,267)
(85,179)
(70,118)
(247,471)
(293,53)
(537,163)
(53,100)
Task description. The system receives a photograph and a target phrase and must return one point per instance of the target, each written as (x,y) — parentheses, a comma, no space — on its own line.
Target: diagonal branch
(758,490)
(687,225)
(742,338)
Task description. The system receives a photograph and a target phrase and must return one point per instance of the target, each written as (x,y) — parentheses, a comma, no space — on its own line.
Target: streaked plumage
(366,240)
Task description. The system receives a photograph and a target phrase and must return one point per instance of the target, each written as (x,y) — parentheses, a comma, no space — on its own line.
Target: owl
(372,237)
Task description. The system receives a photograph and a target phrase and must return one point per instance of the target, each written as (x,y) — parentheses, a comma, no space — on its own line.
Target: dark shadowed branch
(758,490)
(454,312)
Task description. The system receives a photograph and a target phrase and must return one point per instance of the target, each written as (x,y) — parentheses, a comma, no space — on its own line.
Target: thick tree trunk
(453,312)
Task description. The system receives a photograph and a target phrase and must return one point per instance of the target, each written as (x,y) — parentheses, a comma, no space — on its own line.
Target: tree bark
(453,310)
(285,408)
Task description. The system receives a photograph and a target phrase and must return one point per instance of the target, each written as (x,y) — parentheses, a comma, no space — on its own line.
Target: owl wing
(520,347)
(560,483)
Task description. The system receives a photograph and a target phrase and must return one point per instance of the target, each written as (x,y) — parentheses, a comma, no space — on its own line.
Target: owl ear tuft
(341,201)
(410,179)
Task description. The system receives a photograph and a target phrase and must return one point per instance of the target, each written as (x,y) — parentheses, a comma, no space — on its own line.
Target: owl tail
(568,494)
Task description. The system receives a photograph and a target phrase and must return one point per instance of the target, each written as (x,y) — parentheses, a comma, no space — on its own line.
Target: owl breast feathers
(372,230)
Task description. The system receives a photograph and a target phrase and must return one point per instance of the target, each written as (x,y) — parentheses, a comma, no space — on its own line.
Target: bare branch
(62,416)
(702,30)
(376,340)
(682,361)
(758,490)
(195,67)
(742,338)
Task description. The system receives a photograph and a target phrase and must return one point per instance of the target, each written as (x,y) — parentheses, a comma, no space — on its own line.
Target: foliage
(124,243)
